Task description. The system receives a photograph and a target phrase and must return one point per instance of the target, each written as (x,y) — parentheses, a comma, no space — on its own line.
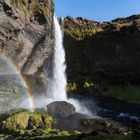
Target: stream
(105,107)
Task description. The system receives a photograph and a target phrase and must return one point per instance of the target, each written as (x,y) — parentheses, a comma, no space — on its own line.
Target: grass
(54,134)
(87,137)
(79,29)
(130,94)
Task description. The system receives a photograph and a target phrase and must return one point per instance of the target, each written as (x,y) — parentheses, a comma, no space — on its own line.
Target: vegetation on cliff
(34,8)
(80,28)
(106,57)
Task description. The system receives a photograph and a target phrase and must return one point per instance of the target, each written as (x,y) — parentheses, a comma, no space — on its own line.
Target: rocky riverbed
(23,124)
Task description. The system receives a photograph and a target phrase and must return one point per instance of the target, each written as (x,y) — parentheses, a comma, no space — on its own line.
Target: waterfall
(57,82)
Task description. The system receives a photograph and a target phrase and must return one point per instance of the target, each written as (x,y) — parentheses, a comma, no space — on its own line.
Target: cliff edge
(103,55)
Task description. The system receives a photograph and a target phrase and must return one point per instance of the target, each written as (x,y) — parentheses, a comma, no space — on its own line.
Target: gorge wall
(26,35)
(104,54)
(26,32)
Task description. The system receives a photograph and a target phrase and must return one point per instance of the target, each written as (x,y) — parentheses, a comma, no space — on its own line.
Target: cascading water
(56,89)
(57,83)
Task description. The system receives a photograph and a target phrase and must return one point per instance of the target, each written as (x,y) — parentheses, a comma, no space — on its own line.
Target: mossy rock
(16,121)
(81,28)
(88,122)
(33,8)
(22,120)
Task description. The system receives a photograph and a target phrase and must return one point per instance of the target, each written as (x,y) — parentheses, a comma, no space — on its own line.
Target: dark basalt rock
(61,109)
(103,53)
(105,126)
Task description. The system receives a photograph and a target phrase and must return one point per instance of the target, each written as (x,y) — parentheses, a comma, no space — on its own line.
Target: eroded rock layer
(26,32)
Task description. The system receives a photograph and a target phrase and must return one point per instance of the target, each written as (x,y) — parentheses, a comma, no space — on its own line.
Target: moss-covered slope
(25,120)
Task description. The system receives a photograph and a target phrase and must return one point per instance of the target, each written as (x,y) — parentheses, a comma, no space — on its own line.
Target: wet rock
(40,109)
(61,109)
(104,126)
(136,132)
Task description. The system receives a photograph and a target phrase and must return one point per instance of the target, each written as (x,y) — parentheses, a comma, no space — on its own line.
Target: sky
(99,10)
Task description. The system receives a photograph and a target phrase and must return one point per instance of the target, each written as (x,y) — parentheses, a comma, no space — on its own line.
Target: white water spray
(56,90)
(12,82)
(57,83)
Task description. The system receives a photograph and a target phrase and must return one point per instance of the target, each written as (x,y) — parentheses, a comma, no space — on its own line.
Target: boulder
(60,109)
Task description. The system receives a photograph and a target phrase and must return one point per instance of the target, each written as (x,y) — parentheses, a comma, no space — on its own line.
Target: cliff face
(26,37)
(104,54)
(26,32)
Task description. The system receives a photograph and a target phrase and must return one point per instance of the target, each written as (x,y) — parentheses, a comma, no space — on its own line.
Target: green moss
(88,122)
(108,137)
(49,121)
(85,137)
(127,93)
(19,120)
(76,132)
(16,121)
(55,134)
(34,6)
(79,29)
(23,5)
(130,94)
(88,85)
(37,119)
(21,132)
(71,87)
(64,133)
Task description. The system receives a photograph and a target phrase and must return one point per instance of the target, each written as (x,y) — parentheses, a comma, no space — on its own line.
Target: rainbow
(22,79)
(27,85)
